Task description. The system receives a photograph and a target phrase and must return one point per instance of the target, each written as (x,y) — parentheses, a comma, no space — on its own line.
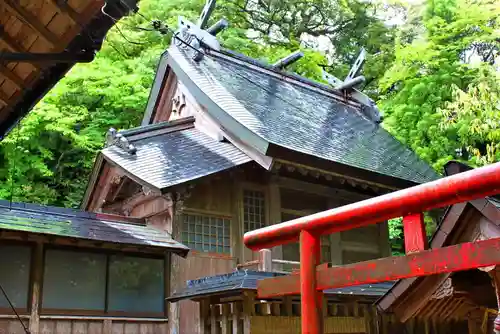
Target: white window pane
(135,285)
(14,274)
(74,280)
(253,210)
(208,237)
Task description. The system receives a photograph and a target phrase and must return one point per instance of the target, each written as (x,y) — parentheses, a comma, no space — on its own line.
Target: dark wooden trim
(279,152)
(135,314)
(65,8)
(166,278)
(55,311)
(106,283)
(4,70)
(104,251)
(21,311)
(36,286)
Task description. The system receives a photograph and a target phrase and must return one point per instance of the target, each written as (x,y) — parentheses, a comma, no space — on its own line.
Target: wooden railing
(267,263)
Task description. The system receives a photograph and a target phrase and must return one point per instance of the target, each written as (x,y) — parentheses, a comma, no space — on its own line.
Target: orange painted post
(311,298)
(414,233)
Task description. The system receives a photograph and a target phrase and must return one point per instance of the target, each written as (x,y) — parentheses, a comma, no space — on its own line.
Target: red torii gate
(408,203)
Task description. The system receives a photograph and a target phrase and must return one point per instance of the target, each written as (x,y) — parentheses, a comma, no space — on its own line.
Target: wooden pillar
(204,314)
(384,244)
(214,323)
(175,268)
(236,223)
(335,240)
(107,327)
(36,289)
(248,310)
(274,200)
(225,319)
(236,318)
(265,260)
(495,276)
(473,326)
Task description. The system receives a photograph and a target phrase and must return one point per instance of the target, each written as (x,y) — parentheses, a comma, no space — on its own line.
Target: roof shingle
(247,280)
(305,119)
(164,160)
(82,225)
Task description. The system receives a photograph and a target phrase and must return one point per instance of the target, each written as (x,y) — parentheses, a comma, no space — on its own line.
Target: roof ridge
(66,212)
(123,139)
(232,56)
(156,126)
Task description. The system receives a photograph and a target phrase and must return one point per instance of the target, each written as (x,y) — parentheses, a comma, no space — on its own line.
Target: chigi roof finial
(195,37)
(352,79)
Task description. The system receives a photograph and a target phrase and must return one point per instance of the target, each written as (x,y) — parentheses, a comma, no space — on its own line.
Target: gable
(272,112)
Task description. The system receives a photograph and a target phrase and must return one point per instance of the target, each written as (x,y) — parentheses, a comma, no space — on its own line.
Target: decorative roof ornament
(288,60)
(352,80)
(115,138)
(194,37)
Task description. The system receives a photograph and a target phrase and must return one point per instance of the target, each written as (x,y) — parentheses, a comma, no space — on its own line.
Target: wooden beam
(430,262)
(4,97)
(31,20)
(36,289)
(4,71)
(65,8)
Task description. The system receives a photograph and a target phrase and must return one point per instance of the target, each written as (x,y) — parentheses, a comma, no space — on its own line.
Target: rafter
(13,44)
(30,19)
(5,72)
(9,41)
(64,7)
(4,98)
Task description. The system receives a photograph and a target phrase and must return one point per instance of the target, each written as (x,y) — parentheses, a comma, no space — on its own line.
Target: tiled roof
(300,117)
(162,158)
(70,223)
(247,280)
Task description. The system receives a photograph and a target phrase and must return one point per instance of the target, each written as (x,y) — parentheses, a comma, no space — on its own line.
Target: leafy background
(432,67)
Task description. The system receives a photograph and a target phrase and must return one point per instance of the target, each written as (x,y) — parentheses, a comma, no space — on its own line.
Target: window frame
(107,253)
(210,214)
(22,310)
(247,186)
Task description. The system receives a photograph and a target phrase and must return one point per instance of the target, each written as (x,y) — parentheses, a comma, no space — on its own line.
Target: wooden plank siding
(86,325)
(198,265)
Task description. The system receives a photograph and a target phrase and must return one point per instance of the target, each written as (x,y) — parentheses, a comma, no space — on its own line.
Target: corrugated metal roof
(164,160)
(247,280)
(70,223)
(302,118)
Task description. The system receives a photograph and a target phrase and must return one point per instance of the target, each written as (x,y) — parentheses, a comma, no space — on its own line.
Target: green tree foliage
(474,115)
(434,77)
(48,158)
(431,70)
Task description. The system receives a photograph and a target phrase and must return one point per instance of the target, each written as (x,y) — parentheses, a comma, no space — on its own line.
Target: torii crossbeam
(408,203)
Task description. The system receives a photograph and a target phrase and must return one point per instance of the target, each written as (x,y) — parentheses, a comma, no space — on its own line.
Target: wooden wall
(86,325)
(195,266)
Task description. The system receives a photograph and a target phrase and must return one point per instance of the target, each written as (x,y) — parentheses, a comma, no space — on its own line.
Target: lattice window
(254,210)
(206,233)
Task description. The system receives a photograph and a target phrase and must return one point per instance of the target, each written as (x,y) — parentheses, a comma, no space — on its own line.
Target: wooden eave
(44,27)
